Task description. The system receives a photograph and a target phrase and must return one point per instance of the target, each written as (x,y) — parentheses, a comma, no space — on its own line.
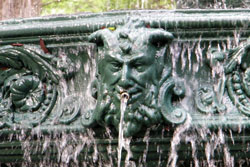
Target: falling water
(177,136)
(68,145)
(121,142)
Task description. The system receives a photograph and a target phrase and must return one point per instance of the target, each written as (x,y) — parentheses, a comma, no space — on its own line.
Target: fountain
(127,88)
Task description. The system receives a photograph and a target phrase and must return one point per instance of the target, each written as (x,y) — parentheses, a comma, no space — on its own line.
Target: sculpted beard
(142,113)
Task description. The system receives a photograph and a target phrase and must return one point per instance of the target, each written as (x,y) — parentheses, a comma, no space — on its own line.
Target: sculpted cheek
(146,76)
(111,78)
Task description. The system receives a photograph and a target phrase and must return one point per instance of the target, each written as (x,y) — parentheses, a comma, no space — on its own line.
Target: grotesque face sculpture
(132,72)
(131,60)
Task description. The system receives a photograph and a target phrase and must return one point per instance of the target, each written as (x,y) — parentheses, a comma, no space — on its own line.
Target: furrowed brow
(110,57)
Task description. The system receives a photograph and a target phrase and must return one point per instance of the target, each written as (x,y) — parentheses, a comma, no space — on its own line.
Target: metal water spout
(124,96)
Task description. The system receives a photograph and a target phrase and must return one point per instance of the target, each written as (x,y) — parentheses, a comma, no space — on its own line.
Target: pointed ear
(103,38)
(160,37)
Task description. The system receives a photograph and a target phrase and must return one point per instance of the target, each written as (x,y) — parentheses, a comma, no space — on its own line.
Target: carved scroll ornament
(28,82)
(238,77)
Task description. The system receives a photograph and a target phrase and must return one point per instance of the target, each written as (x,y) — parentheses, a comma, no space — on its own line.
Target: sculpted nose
(125,81)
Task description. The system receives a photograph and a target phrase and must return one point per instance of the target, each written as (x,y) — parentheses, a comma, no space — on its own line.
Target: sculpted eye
(115,66)
(140,67)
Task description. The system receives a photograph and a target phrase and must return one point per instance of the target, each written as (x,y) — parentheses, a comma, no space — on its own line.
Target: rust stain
(43,46)
(17,44)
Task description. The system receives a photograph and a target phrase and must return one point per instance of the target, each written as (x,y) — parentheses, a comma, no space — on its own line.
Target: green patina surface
(67,73)
(132,59)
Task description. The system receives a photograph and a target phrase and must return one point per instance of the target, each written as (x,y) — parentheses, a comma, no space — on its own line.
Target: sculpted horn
(160,37)
(103,38)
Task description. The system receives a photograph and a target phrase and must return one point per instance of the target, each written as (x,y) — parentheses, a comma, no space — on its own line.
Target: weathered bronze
(183,72)
(134,59)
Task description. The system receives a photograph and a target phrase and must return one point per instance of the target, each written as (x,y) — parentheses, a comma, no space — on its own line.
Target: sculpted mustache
(131,90)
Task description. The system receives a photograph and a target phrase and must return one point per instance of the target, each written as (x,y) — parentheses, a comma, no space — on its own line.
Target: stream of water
(121,142)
